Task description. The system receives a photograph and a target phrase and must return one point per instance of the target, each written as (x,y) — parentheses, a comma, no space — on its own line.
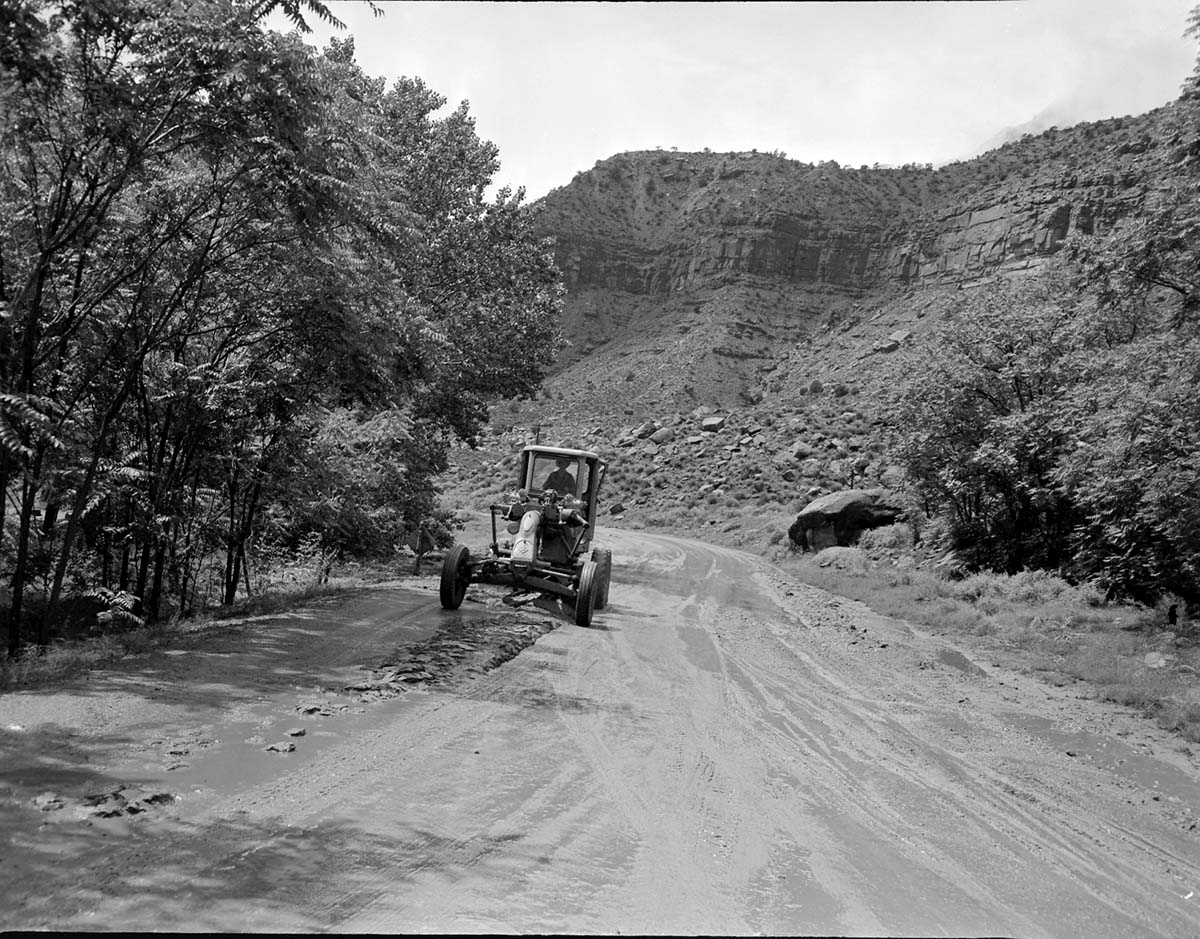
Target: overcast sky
(558,86)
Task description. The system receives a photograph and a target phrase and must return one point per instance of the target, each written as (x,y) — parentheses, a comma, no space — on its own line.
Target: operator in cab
(561,480)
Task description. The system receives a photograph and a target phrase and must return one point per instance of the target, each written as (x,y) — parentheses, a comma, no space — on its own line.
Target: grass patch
(62,660)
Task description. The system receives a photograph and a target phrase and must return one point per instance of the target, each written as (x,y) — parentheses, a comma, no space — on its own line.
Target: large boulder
(840,517)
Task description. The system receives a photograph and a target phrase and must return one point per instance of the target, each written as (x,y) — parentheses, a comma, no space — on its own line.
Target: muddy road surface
(724,752)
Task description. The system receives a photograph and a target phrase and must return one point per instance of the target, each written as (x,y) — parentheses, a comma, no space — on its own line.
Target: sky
(559,86)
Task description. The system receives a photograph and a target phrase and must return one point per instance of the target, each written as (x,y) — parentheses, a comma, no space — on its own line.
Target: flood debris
(119,801)
(48,801)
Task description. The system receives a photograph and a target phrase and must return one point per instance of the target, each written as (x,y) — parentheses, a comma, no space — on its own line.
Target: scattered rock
(282,746)
(122,801)
(320,708)
(48,801)
(712,424)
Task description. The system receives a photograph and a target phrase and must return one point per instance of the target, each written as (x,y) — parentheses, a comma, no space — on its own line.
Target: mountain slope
(700,273)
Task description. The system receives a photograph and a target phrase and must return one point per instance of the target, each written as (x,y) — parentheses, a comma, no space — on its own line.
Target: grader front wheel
(456,574)
(585,601)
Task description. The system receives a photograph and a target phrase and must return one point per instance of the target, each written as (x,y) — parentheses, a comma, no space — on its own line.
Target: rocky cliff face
(662,223)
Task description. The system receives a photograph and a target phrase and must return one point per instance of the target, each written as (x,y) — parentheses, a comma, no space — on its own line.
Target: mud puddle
(53,773)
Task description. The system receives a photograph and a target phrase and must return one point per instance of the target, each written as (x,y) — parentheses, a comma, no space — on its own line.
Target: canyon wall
(663,223)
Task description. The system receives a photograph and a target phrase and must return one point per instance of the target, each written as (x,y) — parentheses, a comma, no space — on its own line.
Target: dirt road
(726,752)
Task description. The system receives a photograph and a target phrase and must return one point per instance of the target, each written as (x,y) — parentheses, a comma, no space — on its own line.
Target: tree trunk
(21,569)
(125,552)
(232,574)
(50,518)
(245,566)
(84,493)
(143,578)
(160,557)
(4,478)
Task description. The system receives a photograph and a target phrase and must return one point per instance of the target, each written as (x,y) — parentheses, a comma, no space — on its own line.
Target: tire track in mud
(714,762)
(748,841)
(899,761)
(877,774)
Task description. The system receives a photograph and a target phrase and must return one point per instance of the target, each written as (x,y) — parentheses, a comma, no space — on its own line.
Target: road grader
(549,523)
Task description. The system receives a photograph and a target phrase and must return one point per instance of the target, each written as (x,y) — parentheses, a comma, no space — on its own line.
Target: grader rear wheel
(603,559)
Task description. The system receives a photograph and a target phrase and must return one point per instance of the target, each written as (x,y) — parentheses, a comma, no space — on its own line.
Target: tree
(480,273)
(1133,470)
(980,430)
(213,239)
